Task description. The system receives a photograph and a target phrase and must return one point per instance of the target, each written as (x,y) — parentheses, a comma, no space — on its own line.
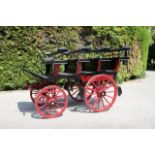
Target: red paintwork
(56,69)
(85,78)
(79,67)
(100,93)
(117,63)
(39,92)
(51,102)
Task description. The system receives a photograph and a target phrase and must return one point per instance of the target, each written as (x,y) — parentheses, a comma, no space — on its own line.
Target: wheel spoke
(99,82)
(53,92)
(94,90)
(108,81)
(94,84)
(46,108)
(78,95)
(107,87)
(98,103)
(92,97)
(41,102)
(109,91)
(53,110)
(58,97)
(106,100)
(95,102)
(58,106)
(75,92)
(44,94)
(103,102)
(73,88)
(57,92)
(43,106)
(60,103)
(89,92)
(109,96)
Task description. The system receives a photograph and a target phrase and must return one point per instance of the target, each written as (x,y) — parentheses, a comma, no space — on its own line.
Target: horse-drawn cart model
(89,80)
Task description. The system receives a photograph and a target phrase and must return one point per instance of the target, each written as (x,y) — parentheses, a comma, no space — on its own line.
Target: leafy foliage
(26,45)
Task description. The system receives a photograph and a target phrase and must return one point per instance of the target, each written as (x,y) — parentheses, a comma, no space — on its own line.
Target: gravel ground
(134,109)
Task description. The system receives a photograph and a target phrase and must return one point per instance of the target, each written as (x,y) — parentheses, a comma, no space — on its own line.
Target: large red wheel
(76,91)
(100,93)
(51,102)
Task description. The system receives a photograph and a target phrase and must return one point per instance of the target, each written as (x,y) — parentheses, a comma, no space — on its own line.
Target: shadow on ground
(27,107)
(77,107)
(73,106)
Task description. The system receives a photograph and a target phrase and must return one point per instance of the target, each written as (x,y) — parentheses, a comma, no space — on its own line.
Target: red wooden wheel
(100,93)
(76,91)
(51,102)
(33,94)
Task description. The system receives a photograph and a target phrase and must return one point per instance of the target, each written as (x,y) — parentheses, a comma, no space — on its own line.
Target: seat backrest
(71,67)
(90,66)
(109,64)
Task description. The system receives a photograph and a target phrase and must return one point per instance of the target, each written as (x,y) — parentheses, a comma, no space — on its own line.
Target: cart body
(89,80)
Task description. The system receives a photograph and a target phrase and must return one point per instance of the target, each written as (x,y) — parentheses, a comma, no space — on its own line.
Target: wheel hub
(52,103)
(101,93)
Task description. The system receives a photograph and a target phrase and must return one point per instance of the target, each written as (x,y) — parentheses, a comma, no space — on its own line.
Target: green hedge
(27,44)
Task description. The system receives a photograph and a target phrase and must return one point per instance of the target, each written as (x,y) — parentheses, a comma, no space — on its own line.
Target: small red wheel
(76,91)
(33,94)
(51,102)
(100,93)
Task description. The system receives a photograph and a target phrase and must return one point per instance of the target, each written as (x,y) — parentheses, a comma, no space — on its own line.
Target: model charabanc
(88,80)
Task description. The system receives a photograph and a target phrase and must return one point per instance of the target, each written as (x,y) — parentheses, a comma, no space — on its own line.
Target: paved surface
(134,109)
